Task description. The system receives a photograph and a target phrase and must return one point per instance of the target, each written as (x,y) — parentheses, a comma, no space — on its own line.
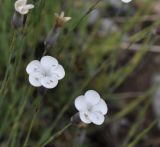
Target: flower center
(89,109)
(46,74)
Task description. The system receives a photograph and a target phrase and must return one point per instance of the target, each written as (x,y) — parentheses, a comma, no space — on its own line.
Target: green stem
(88,12)
(38,105)
(30,129)
(54,136)
(143,133)
(11,49)
(14,130)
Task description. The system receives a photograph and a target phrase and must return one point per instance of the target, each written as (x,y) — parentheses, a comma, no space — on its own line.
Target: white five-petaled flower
(45,72)
(91,107)
(61,19)
(22,7)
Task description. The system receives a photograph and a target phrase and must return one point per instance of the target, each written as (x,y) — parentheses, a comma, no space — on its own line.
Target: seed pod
(18,20)
(54,34)
(52,37)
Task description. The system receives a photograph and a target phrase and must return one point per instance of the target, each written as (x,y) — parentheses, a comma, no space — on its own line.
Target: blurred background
(109,46)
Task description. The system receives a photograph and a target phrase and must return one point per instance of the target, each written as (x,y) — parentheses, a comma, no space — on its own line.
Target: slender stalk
(140,118)
(143,133)
(131,106)
(38,105)
(11,49)
(14,130)
(88,12)
(54,136)
(30,129)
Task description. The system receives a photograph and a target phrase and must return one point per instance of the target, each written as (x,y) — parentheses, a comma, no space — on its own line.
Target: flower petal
(35,79)
(62,14)
(80,103)
(84,117)
(49,82)
(29,6)
(92,97)
(49,62)
(24,11)
(20,3)
(96,118)
(100,107)
(33,66)
(67,19)
(59,72)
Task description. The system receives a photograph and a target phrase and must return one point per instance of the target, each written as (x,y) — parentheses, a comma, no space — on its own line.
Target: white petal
(84,117)
(49,62)
(62,14)
(100,107)
(24,11)
(34,66)
(49,82)
(67,19)
(59,72)
(92,97)
(35,79)
(96,118)
(29,6)
(80,103)
(19,3)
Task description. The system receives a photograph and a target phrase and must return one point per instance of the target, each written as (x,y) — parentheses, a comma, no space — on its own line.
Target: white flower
(45,72)
(22,7)
(91,107)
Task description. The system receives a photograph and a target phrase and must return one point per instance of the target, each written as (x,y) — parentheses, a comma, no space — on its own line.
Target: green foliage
(89,62)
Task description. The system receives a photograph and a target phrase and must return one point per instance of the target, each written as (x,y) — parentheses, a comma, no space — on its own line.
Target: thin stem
(38,105)
(89,10)
(30,129)
(143,133)
(8,63)
(54,136)
(14,130)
